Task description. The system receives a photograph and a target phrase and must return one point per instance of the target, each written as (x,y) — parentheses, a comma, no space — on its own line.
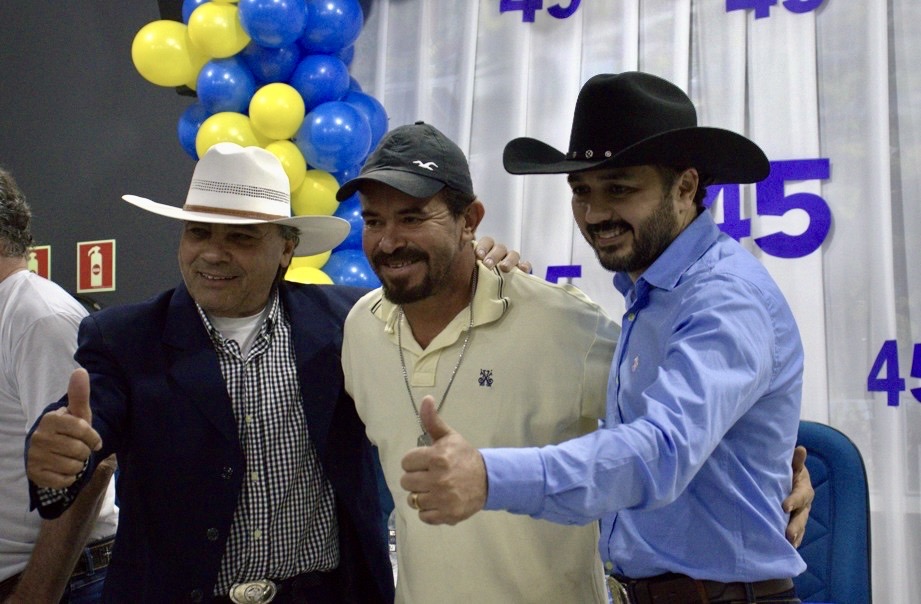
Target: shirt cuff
(60,498)
(515,480)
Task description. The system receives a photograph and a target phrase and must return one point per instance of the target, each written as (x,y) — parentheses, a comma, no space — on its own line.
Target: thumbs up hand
(434,426)
(64,438)
(447,480)
(78,397)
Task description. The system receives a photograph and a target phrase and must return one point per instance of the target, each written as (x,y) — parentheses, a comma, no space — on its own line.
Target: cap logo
(428,165)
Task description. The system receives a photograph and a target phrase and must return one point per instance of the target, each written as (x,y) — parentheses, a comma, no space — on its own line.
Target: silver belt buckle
(253,592)
(618,591)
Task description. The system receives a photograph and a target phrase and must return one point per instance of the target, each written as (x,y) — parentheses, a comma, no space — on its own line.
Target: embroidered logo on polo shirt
(486,378)
(636,363)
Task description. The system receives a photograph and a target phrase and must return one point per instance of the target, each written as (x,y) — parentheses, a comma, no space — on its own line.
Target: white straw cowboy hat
(247,185)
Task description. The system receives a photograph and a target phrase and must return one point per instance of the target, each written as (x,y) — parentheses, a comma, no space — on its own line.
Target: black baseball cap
(415,159)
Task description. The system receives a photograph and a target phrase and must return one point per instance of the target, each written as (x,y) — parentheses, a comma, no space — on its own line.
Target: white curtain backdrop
(810,80)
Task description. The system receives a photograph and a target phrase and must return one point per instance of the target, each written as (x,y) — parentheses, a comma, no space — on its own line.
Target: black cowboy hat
(632,119)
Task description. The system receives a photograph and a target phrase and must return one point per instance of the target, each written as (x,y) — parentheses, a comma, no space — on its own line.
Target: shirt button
(248,418)
(631,316)
(227,472)
(254,476)
(257,534)
(212,534)
(609,565)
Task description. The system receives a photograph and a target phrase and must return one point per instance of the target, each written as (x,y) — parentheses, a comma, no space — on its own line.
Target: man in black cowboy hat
(506,338)
(692,464)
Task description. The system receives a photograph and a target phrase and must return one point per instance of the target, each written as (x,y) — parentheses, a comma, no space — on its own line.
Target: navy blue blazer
(159,402)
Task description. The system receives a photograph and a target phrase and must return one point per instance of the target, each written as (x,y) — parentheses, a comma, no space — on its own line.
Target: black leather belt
(98,554)
(95,557)
(7,586)
(316,586)
(675,588)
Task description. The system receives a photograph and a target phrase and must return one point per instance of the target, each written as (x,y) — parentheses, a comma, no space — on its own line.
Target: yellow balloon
(277,110)
(292,160)
(216,30)
(307,274)
(316,195)
(225,127)
(198,61)
(315,261)
(163,55)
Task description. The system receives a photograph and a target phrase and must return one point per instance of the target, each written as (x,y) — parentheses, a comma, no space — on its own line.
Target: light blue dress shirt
(692,463)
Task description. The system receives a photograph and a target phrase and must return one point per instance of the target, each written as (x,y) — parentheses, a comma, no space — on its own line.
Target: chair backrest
(836,546)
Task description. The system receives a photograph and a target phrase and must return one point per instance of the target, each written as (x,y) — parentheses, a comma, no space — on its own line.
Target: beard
(399,291)
(650,239)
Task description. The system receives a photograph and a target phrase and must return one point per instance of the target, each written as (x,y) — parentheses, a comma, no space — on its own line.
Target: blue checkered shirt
(285,521)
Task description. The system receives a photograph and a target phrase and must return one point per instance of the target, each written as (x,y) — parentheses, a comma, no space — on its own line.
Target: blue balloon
(347,54)
(332,25)
(273,23)
(346,174)
(350,211)
(188,7)
(226,85)
(350,267)
(319,79)
(354,85)
(372,109)
(189,123)
(271,64)
(334,136)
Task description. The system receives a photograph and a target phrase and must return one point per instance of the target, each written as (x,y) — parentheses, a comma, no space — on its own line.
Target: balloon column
(275,74)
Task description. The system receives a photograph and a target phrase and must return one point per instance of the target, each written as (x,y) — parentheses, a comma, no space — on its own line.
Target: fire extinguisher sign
(96,266)
(39,260)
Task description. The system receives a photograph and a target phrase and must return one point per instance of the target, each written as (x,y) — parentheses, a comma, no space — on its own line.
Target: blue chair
(836,546)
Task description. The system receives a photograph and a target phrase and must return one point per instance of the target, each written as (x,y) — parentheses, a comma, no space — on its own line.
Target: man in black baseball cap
(420,166)
(491,347)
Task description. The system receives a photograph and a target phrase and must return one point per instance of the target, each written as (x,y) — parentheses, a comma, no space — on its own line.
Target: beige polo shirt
(535,372)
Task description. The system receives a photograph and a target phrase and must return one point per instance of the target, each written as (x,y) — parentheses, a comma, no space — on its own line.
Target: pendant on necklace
(424,440)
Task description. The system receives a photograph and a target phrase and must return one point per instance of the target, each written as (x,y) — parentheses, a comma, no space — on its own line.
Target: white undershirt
(243,330)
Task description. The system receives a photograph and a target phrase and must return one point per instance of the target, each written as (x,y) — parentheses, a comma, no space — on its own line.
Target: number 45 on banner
(762,8)
(529,7)
(892,384)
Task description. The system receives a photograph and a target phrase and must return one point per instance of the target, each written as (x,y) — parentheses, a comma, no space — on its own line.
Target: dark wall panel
(80,128)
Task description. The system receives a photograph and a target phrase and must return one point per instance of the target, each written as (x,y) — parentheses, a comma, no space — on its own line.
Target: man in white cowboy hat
(245,471)
(690,469)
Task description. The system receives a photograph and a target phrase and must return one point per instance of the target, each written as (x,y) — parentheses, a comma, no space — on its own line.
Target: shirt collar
(489,303)
(268,324)
(678,257)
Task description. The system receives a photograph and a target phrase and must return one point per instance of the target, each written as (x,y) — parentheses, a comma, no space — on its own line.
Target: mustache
(402,256)
(607,225)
